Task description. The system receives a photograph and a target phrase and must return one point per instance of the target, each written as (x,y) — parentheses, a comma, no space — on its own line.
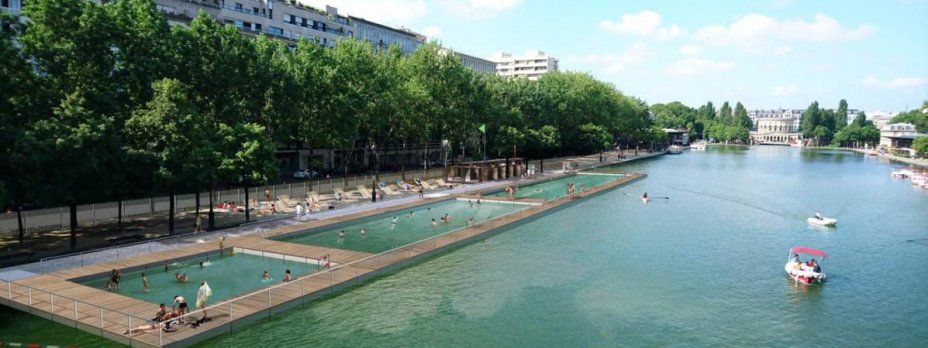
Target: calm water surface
(702,268)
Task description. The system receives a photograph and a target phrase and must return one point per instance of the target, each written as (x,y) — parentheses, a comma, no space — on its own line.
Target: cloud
(392,12)
(691,50)
(616,63)
(896,83)
(431,32)
(756,30)
(478,9)
(696,66)
(785,90)
(645,23)
(783,50)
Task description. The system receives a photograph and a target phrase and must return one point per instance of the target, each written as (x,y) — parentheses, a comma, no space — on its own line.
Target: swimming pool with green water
(228,277)
(555,189)
(383,234)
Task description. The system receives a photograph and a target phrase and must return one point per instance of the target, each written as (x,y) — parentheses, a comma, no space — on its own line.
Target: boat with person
(805,272)
(819,220)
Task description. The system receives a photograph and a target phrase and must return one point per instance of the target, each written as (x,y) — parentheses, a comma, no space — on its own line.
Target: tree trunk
(403,163)
(73,223)
(171,212)
(197,202)
(19,222)
(247,202)
(212,215)
(119,213)
(427,159)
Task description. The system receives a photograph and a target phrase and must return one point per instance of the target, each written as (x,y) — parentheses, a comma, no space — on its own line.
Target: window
(5,3)
(258,26)
(239,24)
(238,6)
(275,31)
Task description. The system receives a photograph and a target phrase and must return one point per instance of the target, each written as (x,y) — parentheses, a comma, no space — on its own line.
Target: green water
(703,268)
(383,235)
(555,189)
(24,328)
(228,277)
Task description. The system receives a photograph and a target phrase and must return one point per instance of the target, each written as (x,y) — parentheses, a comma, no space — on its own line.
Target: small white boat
(902,174)
(823,221)
(805,272)
(675,149)
(698,146)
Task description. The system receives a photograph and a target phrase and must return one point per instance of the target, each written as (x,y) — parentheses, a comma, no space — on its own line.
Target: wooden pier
(55,296)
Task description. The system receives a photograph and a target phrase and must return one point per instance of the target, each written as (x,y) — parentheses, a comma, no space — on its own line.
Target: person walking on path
(198,225)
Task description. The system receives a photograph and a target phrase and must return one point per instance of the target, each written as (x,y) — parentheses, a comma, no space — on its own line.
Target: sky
(766,53)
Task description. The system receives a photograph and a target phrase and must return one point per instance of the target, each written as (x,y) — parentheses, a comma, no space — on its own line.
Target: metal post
(290,190)
(9,290)
(129,322)
(230,317)
(101,318)
(75,309)
(51,304)
(29,291)
(60,219)
(269,304)
(93,212)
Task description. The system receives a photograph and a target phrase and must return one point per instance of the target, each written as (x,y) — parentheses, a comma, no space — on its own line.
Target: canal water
(702,267)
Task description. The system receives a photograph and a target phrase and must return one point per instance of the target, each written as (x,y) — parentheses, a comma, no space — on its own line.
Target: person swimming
(181,278)
(434,223)
(287,276)
(207,263)
(393,221)
(266,275)
(145,283)
(363,232)
(470,221)
(410,215)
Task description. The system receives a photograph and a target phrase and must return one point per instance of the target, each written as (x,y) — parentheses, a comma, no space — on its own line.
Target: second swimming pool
(555,189)
(412,225)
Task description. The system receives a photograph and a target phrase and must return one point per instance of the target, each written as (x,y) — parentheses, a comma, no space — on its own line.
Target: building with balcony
(477,64)
(776,130)
(531,66)
(383,37)
(274,18)
(898,135)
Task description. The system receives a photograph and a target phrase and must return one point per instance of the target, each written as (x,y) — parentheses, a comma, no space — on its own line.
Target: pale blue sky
(767,54)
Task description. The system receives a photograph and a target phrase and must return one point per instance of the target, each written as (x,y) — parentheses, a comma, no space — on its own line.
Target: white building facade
(383,37)
(477,64)
(531,66)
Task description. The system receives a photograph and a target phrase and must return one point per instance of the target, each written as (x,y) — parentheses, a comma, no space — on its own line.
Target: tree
(810,119)
(741,117)
(840,117)
(917,117)
(170,132)
(921,146)
(593,138)
(725,114)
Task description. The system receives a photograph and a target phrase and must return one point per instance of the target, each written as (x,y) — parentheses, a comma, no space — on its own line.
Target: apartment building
(477,64)
(531,65)
(274,18)
(383,36)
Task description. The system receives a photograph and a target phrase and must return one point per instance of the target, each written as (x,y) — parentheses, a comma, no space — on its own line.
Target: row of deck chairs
(318,201)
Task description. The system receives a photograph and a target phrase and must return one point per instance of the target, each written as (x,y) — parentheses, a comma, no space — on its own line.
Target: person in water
(287,276)
(181,278)
(434,223)
(644,196)
(341,237)
(145,283)
(266,275)
(363,232)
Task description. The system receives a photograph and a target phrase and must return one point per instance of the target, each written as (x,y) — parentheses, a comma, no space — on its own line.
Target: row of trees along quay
(107,102)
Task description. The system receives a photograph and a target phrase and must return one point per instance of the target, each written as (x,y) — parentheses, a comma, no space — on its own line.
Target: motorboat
(822,221)
(675,149)
(902,174)
(698,146)
(805,272)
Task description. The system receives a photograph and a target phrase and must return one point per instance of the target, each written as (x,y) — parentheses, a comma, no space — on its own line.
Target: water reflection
(825,155)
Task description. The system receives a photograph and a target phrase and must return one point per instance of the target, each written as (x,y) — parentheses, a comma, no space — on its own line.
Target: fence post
(129,328)
(29,292)
(151,207)
(93,212)
(60,219)
(269,304)
(230,317)
(51,304)
(101,318)
(290,190)
(75,309)
(9,290)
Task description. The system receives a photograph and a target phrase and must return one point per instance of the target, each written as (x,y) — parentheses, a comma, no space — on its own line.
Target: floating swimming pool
(383,234)
(555,189)
(228,277)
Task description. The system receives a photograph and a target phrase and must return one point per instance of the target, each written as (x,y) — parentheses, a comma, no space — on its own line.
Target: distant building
(880,118)
(531,66)
(678,136)
(793,114)
(473,63)
(898,135)
(382,36)
(776,130)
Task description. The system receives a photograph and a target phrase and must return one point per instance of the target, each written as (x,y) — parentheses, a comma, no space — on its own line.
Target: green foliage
(593,138)
(917,117)
(857,134)
(921,146)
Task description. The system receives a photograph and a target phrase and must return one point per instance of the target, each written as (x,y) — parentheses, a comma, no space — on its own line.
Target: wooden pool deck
(56,297)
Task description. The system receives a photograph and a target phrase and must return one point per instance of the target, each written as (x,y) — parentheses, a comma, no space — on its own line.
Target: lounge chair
(441,182)
(390,190)
(346,196)
(364,191)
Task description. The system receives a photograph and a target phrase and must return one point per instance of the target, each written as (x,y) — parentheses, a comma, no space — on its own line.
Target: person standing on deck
(198,225)
(202,295)
(181,305)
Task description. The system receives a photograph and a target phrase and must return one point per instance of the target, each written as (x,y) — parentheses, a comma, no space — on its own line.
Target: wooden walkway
(107,314)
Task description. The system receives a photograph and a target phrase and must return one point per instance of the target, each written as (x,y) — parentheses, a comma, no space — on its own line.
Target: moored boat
(822,221)
(675,149)
(805,272)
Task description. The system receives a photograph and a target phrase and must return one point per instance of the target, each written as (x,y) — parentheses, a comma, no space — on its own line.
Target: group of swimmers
(115,276)
(510,192)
